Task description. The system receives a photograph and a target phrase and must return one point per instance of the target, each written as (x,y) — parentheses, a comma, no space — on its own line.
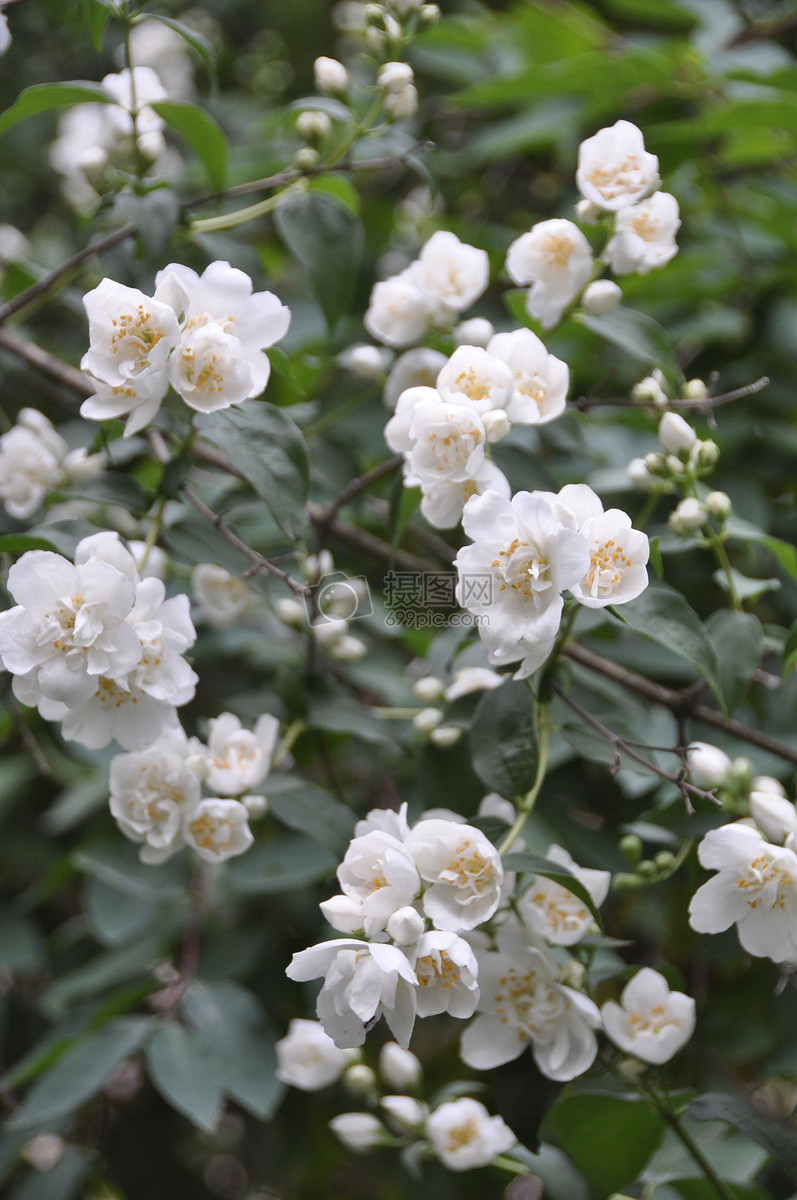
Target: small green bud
(647,868)
(623,882)
(631,848)
(664,859)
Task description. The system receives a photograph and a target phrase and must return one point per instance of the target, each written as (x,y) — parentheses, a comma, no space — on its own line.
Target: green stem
(242,215)
(509,1164)
(647,509)
(529,800)
(662,1104)
(289,738)
(717,545)
(152,534)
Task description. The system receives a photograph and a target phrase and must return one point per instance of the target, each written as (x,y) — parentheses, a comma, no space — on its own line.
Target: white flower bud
(291,612)
(348,648)
(93,163)
(602,296)
(405,926)
(427,719)
(330,75)
(403,104)
(675,435)
(707,765)
(695,389)
(674,465)
(343,913)
(375,38)
(476,331)
(649,391)
(405,1112)
(395,76)
(316,565)
(687,516)
(639,475)
(43,1151)
(306,158)
(571,974)
(718,505)
(399,1068)
(706,453)
(327,632)
(313,125)
(359,1080)
(496,424)
(358,1131)
(366,361)
(428,688)
(654,464)
(405,7)
(775,816)
(445,736)
(588,213)
(429,13)
(768,783)
(256,806)
(392,27)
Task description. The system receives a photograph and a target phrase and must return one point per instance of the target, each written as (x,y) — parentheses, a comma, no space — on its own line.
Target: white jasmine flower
(464,1135)
(618,558)
(446,442)
(399,1068)
(362,982)
(307,1058)
(473,374)
(523,1004)
(450,271)
(135,90)
(514,574)
(358,1131)
(415,368)
(443,500)
(239,759)
(152,792)
(447,975)
(755,889)
(210,371)
(476,331)
(472,679)
(602,296)
(330,75)
(218,829)
(707,765)
(378,870)
(165,630)
(650,1022)
(32,454)
(687,516)
(775,816)
(676,435)
(464,870)
(614,169)
(124,713)
(219,596)
(540,380)
(556,259)
(553,912)
(644,235)
(398,312)
(385,819)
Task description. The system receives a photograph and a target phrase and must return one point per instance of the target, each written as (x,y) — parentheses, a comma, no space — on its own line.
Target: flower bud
(445,736)
(707,765)
(399,1068)
(718,505)
(675,434)
(327,631)
(392,27)
(707,454)
(360,1080)
(256,806)
(405,1112)
(330,75)
(639,475)
(674,465)
(395,76)
(405,926)
(767,783)
(291,612)
(348,649)
(648,391)
(687,516)
(313,125)
(631,848)
(429,14)
(774,815)
(571,974)
(358,1131)
(306,158)
(93,163)
(476,331)
(646,868)
(655,464)
(588,213)
(403,104)
(743,770)
(602,296)
(496,424)
(695,389)
(664,859)
(427,719)
(343,913)
(624,882)
(375,38)
(428,688)
(366,361)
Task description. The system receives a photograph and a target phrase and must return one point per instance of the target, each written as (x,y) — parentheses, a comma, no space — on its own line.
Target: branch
(71,377)
(705,404)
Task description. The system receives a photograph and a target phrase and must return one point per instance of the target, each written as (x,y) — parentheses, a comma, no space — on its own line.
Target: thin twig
(703,404)
(31,353)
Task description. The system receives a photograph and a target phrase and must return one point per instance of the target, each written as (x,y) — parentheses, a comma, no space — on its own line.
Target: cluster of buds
(428,689)
(646,871)
(691,514)
(684,458)
(401,95)
(392,25)
(734,780)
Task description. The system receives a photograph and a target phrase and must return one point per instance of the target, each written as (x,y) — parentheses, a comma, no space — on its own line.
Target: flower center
(525,572)
(607,565)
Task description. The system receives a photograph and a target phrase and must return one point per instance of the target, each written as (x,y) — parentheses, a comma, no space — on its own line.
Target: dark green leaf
(609,1138)
(62,1182)
(639,335)
(268,449)
(19,543)
(327,238)
(186,1075)
(203,134)
(21,943)
(197,41)
(790,650)
(310,809)
(96,15)
(286,864)
(155,216)
(776,1139)
(504,739)
(81,1072)
(555,871)
(44,97)
(738,640)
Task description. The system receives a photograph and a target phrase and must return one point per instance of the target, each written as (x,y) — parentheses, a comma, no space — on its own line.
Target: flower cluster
(528,550)
(95,646)
(155,793)
(203,334)
(34,460)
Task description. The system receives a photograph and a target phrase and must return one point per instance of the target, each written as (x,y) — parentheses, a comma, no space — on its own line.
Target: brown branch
(71,377)
(682,704)
(362,483)
(704,404)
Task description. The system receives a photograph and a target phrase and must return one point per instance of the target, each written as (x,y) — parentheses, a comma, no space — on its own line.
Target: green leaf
(663,615)
(790,650)
(285,864)
(203,134)
(203,47)
(310,809)
(21,944)
(80,1073)
(639,335)
(119,867)
(269,451)
(551,870)
(61,1182)
(340,187)
(776,1139)
(785,552)
(19,543)
(608,1137)
(503,739)
(96,15)
(186,1075)
(155,216)
(327,238)
(44,97)
(114,918)
(739,641)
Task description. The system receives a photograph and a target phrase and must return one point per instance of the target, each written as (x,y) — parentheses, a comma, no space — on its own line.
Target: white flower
(366,361)
(644,235)
(394,823)
(650,1022)
(476,331)
(447,975)
(165,630)
(602,296)
(442,501)
(550,910)
(514,574)
(239,759)
(676,435)
(344,913)
(31,463)
(307,1058)
(394,76)
(755,889)
(708,766)
(159,47)
(362,981)
(451,271)
(523,1004)
(399,1068)
(131,337)
(687,516)
(540,380)
(210,370)
(218,829)
(358,1131)
(378,871)
(5,34)
(446,442)
(219,596)
(428,688)
(152,792)
(415,368)
(556,259)
(614,169)
(472,679)
(427,719)
(135,90)
(464,870)
(775,816)
(618,557)
(398,313)
(464,1135)
(330,75)
(113,711)
(313,125)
